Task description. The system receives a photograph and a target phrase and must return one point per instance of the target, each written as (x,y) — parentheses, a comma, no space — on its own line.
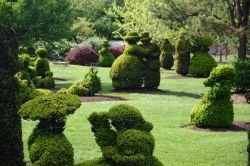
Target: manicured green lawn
(168,111)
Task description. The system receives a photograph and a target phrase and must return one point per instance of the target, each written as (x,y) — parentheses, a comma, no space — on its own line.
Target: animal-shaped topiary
(216,108)
(47,144)
(151,62)
(183,50)
(124,137)
(167,59)
(11,145)
(42,63)
(201,63)
(106,58)
(127,70)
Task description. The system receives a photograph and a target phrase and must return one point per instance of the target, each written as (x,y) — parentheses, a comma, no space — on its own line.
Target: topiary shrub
(183,50)
(87,87)
(11,146)
(127,70)
(106,58)
(40,92)
(167,59)
(82,56)
(124,137)
(151,62)
(201,63)
(116,50)
(242,81)
(47,144)
(41,63)
(24,62)
(216,108)
(47,82)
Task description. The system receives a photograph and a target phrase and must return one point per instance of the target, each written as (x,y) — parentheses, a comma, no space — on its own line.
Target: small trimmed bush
(47,82)
(116,50)
(183,50)
(130,144)
(41,52)
(242,81)
(167,59)
(216,108)
(24,62)
(87,87)
(127,70)
(201,64)
(106,58)
(82,56)
(41,64)
(151,62)
(47,144)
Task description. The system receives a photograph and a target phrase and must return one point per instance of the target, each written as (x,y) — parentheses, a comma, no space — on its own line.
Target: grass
(168,111)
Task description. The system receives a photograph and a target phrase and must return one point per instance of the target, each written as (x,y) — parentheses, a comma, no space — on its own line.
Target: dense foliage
(89,86)
(116,50)
(183,49)
(167,59)
(82,56)
(106,58)
(130,143)
(41,63)
(11,146)
(216,108)
(127,70)
(47,144)
(47,82)
(242,81)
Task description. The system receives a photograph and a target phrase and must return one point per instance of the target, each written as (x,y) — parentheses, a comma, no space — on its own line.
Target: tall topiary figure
(167,59)
(201,63)
(106,58)
(216,108)
(42,63)
(11,146)
(47,144)
(151,62)
(127,70)
(183,50)
(124,137)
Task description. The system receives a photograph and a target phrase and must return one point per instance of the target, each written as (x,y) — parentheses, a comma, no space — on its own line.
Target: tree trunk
(242,46)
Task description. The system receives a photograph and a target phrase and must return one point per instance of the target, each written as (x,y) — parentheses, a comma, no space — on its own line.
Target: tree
(239,18)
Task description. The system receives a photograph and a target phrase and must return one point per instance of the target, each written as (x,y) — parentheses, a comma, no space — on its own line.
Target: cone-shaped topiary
(130,143)
(216,108)
(167,59)
(47,144)
(42,63)
(151,62)
(106,58)
(11,146)
(201,63)
(182,49)
(127,70)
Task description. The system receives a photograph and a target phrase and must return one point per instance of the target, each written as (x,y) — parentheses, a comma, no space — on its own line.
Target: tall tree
(239,18)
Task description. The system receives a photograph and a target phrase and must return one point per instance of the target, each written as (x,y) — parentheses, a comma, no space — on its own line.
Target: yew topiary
(124,137)
(216,108)
(47,144)
(106,58)
(151,62)
(47,82)
(11,145)
(167,59)
(41,63)
(127,70)
(183,50)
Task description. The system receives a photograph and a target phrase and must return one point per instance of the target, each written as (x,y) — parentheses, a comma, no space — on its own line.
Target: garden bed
(101,98)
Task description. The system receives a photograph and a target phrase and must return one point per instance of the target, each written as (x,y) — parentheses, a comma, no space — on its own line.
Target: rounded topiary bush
(106,58)
(41,52)
(201,64)
(47,144)
(41,64)
(166,58)
(216,108)
(47,82)
(124,137)
(183,50)
(82,56)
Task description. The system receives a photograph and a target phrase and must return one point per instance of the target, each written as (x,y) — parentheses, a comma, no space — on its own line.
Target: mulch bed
(101,98)
(239,99)
(181,77)
(59,79)
(237,126)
